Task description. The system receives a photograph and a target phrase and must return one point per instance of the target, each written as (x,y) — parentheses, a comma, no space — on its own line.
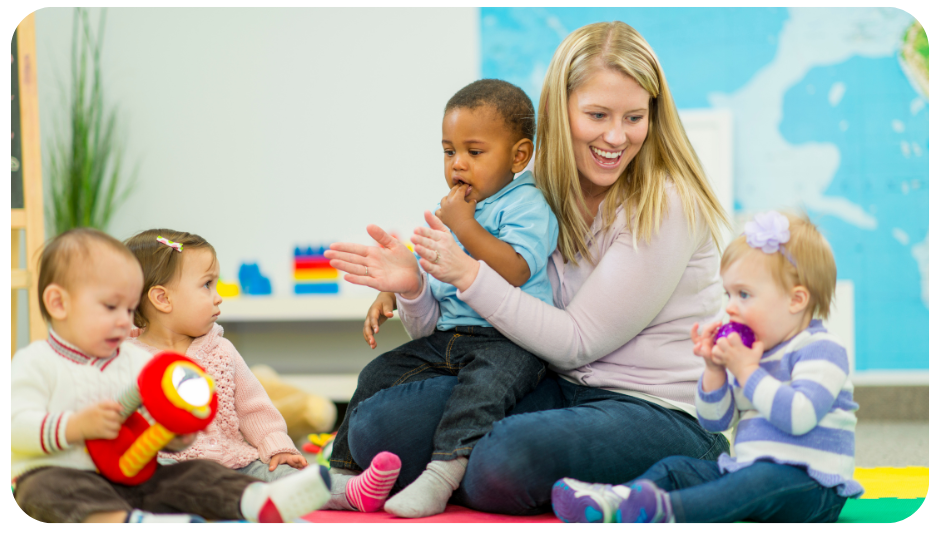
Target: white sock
(143,517)
(428,495)
(287,498)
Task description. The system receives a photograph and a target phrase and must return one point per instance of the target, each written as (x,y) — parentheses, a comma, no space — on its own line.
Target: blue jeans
(761,492)
(491,372)
(559,430)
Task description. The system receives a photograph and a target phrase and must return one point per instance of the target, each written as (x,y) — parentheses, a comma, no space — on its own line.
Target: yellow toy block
(889,482)
(227,290)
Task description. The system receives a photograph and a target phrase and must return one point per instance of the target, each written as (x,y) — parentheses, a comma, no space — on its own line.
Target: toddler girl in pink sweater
(178,309)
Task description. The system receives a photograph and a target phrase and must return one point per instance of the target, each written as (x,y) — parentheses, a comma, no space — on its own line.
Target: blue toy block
(252,281)
(316,288)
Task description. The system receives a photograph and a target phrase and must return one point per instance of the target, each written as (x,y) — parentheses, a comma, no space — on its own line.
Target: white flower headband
(768,232)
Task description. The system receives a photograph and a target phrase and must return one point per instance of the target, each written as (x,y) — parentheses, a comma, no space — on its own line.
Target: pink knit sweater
(247,426)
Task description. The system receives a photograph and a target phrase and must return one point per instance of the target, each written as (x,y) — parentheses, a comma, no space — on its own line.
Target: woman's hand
(388,267)
(381,310)
(441,257)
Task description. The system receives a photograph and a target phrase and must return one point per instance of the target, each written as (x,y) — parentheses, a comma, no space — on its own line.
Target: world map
(830,112)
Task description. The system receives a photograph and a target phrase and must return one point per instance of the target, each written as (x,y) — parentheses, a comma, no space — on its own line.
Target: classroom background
(273,132)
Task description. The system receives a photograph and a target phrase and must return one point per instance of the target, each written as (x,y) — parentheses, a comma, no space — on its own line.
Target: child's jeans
(199,486)
(493,374)
(761,492)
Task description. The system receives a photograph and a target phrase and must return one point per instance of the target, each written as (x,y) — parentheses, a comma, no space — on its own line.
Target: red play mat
(453,514)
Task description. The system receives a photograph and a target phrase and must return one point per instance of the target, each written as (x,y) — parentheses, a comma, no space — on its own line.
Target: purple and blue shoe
(577,501)
(645,503)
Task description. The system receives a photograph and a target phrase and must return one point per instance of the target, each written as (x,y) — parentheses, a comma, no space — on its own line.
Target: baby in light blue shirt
(487,139)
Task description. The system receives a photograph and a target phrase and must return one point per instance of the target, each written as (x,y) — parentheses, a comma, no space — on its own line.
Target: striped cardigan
(795,409)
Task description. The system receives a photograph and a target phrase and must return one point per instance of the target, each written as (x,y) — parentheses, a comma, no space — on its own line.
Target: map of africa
(830,114)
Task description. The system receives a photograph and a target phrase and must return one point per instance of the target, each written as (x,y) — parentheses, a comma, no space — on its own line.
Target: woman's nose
(616,135)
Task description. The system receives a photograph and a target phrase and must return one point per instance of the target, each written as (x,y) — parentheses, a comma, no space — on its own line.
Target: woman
(636,266)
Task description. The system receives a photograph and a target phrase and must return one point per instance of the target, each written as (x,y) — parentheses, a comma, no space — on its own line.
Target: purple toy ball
(746,334)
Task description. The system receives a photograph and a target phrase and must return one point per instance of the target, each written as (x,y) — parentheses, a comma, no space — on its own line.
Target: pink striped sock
(368,491)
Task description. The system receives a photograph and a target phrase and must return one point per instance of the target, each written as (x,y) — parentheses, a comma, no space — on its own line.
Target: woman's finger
(349,247)
(349,268)
(424,252)
(434,222)
(380,236)
(362,280)
(347,257)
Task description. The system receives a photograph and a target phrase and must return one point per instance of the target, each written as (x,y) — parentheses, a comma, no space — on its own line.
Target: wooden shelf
(297,309)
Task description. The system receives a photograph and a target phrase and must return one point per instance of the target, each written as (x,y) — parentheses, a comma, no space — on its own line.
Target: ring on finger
(438,258)
(367,271)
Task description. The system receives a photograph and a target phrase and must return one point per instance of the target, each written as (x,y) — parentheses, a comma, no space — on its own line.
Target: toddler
(63,391)
(789,395)
(487,138)
(178,312)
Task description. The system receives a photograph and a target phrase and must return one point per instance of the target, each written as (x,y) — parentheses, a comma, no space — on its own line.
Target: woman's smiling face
(609,117)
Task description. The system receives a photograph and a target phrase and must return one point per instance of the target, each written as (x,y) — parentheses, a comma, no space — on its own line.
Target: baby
(789,395)
(487,138)
(63,389)
(178,312)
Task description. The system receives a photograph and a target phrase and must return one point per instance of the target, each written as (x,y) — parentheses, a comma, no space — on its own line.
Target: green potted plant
(86,159)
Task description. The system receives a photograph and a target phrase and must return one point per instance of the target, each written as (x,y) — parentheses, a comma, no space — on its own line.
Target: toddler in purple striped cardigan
(788,397)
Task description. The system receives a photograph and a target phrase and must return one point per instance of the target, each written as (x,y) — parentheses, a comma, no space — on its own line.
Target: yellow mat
(889,482)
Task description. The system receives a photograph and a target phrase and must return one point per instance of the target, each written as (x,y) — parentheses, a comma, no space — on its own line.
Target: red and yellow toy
(178,394)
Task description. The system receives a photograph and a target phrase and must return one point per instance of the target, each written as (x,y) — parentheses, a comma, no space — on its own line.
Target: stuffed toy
(304,413)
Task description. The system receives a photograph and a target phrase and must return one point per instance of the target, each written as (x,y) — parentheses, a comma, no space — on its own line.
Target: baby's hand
(292,459)
(703,343)
(99,421)
(455,209)
(738,358)
(379,312)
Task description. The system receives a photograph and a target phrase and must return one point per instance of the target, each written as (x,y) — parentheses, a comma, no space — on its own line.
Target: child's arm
(258,420)
(380,311)
(818,374)
(457,214)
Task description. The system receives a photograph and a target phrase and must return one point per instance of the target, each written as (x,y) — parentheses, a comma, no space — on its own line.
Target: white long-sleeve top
(52,380)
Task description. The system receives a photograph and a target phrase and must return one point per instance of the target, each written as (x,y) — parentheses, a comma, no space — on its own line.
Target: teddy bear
(303,412)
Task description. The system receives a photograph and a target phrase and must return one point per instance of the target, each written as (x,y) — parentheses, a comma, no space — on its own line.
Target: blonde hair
(160,262)
(815,265)
(67,250)
(666,152)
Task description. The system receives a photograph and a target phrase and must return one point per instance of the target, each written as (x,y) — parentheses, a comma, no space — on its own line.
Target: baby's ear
(522,153)
(159,298)
(799,299)
(56,300)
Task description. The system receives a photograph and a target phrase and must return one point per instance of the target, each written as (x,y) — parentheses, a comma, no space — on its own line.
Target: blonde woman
(636,266)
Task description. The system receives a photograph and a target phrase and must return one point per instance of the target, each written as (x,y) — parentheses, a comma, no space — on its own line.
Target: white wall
(262,129)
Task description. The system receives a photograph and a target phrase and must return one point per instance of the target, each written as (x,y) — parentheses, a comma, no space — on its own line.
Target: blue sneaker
(577,501)
(646,503)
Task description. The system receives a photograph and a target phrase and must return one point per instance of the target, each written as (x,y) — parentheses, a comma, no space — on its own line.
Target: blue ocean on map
(861,104)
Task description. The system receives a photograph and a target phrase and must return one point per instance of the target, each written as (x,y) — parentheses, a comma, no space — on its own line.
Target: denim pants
(561,429)
(492,374)
(761,492)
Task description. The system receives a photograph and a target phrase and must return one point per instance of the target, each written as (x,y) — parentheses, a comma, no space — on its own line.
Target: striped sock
(368,491)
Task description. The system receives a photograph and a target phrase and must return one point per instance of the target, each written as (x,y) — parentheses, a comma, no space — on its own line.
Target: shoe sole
(573,502)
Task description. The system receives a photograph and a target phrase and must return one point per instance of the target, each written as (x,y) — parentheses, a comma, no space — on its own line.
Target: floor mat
(891,495)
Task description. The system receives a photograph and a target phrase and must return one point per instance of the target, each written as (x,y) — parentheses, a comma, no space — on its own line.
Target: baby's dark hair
(509,101)
(68,251)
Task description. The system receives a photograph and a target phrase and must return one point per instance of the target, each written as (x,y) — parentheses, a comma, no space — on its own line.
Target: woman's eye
(635,119)
(597,116)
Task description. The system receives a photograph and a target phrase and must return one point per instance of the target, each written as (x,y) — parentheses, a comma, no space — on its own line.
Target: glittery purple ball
(746,334)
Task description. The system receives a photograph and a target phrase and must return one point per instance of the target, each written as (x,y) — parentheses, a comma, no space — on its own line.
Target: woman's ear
(57,301)
(522,153)
(799,299)
(159,298)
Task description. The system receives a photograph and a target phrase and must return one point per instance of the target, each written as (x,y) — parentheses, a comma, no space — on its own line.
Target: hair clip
(171,244)
(768,232)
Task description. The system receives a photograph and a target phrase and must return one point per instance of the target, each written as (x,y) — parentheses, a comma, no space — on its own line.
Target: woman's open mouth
(606,159)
